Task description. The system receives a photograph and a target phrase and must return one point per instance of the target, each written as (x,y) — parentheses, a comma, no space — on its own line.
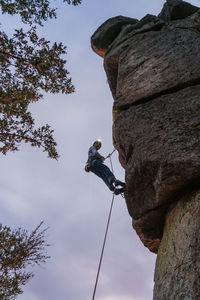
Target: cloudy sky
(73,204)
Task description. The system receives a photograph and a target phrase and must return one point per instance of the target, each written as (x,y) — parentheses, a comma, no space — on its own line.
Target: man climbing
(95,165)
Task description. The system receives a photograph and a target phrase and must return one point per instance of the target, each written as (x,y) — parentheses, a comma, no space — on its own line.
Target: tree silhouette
(29,65)
(18,250)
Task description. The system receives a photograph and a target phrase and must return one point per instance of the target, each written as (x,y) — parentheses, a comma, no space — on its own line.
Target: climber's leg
(104,173)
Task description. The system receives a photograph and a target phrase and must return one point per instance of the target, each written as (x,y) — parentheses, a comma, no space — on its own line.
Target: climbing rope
(102,251)
(110,154)
(107,226)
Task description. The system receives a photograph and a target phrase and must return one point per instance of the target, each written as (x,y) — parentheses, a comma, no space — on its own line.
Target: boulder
(152,62)
(177,9)
(122,42)
(107,32)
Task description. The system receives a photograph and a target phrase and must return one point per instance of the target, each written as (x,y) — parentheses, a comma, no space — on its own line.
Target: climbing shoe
(118,182)
(118,191)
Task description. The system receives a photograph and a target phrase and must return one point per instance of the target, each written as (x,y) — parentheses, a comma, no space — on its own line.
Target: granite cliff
(153,69)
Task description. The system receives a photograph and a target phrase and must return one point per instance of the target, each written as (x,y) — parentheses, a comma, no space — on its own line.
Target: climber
(95,165)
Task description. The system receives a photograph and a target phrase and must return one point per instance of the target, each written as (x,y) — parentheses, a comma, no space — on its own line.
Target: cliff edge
(153,70)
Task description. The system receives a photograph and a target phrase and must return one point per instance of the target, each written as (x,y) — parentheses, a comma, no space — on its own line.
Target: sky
(74,204)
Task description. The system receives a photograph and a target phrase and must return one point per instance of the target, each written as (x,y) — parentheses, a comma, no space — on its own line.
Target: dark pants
(103,172)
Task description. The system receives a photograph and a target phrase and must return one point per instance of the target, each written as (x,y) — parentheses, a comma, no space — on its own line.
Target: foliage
(31,11)
(17,125)
(74,2)
(28,66)
(19,250)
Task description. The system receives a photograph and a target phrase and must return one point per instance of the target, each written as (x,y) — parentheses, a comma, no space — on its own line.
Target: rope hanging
(110,154)
(102,251)
(107,226)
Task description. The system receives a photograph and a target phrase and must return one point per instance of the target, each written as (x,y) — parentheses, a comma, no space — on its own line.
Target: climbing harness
(91,161)
(106,232)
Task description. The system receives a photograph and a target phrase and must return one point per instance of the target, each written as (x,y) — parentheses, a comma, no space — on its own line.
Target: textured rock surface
(107,32)
(153,71)
(151,61)
(177,273)
(161,62)
(160,141)
(112,61)
(177,9)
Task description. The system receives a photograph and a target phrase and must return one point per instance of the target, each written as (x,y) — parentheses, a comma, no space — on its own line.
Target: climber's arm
(100,156)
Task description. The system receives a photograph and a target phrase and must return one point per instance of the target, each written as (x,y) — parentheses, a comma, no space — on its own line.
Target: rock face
(153,69)
(178,262)
(160,141)
(107,32)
